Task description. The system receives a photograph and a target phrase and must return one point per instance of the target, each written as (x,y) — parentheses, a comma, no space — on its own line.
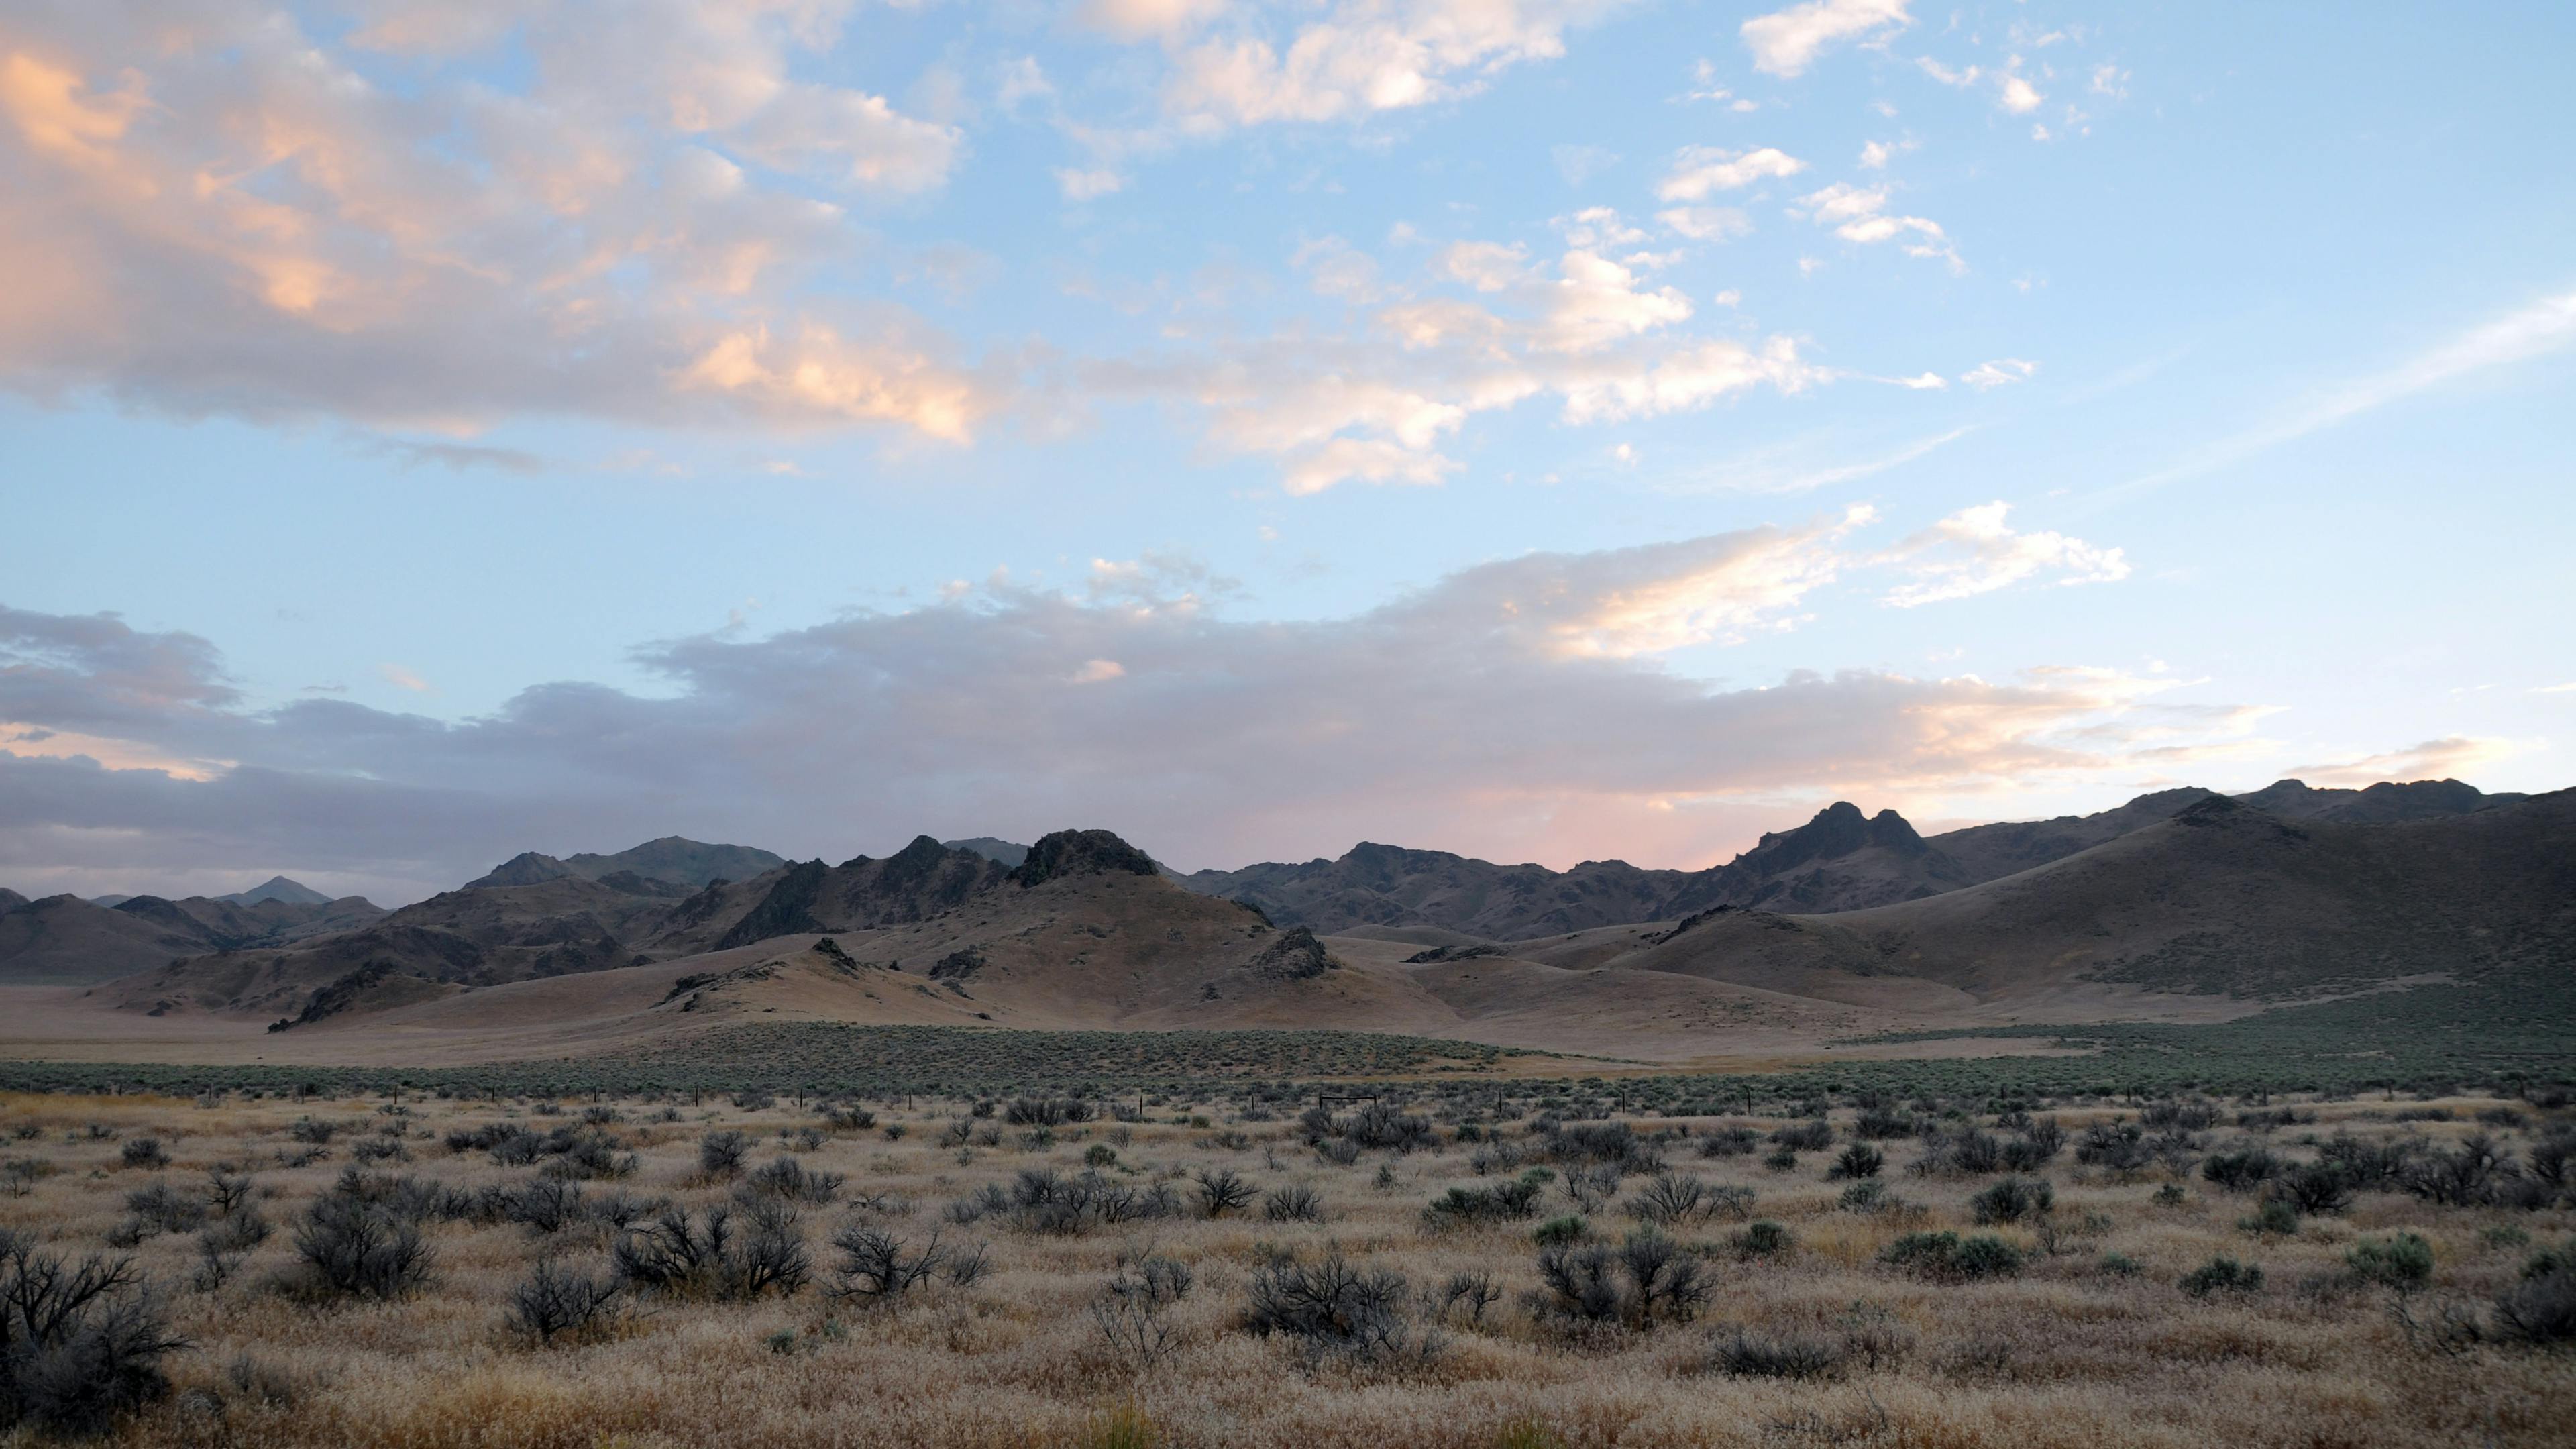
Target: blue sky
(1545,431)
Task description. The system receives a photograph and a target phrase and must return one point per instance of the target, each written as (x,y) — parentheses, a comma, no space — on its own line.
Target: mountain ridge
(1840,860)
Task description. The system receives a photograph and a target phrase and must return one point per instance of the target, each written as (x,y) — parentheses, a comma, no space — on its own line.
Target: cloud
(1596,335)
(1146,19)
(1785,42)
(414,453)
(1524,708)
(1699,171)
(1706,223)
(401,678)
(2446,758)
(2001,372)
(1973,552)
(222,212)
(1364,56)
(1370,460)
(2016,94)
(2536,330)
(1796,468)
(818,376)
(1597,227)
(2013,92)
(1596,302)
(1858,214)
(1078,185)
(1485,266)
(1683,380)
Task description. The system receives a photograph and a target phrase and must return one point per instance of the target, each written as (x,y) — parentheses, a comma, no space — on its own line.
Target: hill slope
(672,858)
(2220,898)
(1841,860)
(67,939)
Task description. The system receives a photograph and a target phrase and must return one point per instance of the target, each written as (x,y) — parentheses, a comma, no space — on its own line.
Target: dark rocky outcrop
(1295,956)
(1081,852)
(1450,953)
(788,908)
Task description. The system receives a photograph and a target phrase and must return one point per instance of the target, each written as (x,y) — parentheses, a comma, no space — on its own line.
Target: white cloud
(1857,214)
(1485,266)
(1369,460)
(1706,223)
(1099,671)
(1146,19)
(2013,91)
(1077,185)
(1023,80)
(1875,155)
(2536,330)
(2446,758)
(1596,302)
(1974,552)
(1364,56)
(1682,380)
(2000,372)
(2017,95)
(1699,171)
(1796,468)
(1785,42)
(817,375)
(401,678)
(250,224)
(1597,227)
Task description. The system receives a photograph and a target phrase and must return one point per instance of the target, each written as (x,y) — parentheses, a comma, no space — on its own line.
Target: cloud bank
(1524,708)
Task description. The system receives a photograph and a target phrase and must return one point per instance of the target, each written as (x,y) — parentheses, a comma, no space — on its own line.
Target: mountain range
(2180,901)
(1839,861)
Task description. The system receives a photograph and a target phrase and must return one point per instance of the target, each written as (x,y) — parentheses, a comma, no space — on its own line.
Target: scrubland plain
(1248,1270)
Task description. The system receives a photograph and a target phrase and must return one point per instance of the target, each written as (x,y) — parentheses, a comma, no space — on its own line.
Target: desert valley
(1861,1138)
(1287,724)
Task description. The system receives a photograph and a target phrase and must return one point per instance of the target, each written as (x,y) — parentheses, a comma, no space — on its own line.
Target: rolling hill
(1841,860)
(672,858)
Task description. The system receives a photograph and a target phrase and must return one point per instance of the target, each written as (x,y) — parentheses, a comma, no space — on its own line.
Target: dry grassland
(1072,1335)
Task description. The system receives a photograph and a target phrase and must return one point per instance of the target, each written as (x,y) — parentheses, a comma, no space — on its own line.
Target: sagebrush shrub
(1784,1356)
(357,1245)
(80,1343)
(720,1154)
(553,1301)
(2014,1199)
(2541,1309)
(1948,1255)
(1333,1308)
(2222,1275)
(2403,1261)
(1647,1278)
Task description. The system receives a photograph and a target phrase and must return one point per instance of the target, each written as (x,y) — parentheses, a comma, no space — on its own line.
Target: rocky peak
(1082,852)
(525,868)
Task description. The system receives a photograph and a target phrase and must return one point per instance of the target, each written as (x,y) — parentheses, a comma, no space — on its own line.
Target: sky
(1542,429)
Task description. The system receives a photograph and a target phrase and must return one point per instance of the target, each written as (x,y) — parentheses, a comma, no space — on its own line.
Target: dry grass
(2063,1353)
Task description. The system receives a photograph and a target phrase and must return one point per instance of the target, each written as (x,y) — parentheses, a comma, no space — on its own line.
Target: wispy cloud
(2444,758)
(1795,470)
(2544,327)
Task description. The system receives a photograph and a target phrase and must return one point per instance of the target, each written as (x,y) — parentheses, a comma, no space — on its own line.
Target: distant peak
(525,868)
(1082,852)
(278,888)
